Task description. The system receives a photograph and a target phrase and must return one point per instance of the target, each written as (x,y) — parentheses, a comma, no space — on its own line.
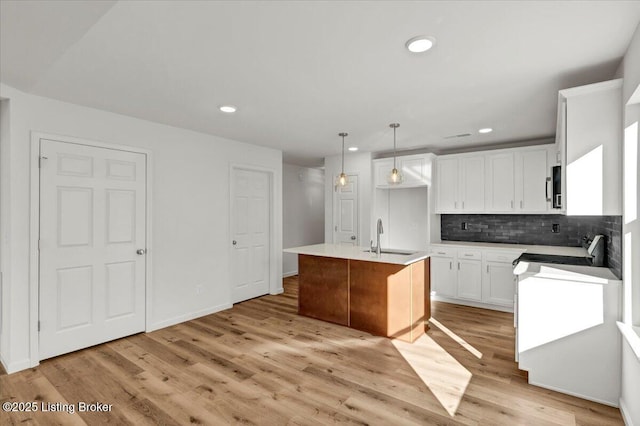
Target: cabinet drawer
(470,254)
(443,251)
(501,256)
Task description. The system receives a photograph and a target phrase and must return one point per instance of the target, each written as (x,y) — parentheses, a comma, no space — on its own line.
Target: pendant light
(342,179)
(395,176)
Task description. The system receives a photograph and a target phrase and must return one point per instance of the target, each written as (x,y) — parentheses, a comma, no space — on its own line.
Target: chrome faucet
(379,231)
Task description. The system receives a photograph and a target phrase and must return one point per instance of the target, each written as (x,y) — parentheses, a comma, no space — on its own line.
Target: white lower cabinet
(480,277)
(469,267)
(470,279)
(444,276)
(499,283)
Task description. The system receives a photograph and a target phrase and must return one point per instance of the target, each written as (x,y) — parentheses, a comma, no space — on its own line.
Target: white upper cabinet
(381,169)
(415,169)
(532,188)
(447,185)
(460,184)
(589,139)
(500,183)
(472,184)
(512,180)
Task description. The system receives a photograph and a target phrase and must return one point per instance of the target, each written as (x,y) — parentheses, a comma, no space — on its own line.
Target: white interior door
(250,218)
(345,217)
(92,223)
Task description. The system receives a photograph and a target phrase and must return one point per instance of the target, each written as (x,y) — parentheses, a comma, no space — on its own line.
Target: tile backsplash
(536,230)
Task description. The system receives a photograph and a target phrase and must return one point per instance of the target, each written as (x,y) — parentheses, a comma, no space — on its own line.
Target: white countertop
(590,274)
(357,253)
(552,250)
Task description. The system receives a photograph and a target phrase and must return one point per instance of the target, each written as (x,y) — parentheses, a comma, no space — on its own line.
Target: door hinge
(42,157)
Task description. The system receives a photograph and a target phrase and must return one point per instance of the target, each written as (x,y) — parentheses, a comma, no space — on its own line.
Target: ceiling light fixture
(342,179)
(420,44)
(228,109)
(485,130)
(353,148)
(395,177)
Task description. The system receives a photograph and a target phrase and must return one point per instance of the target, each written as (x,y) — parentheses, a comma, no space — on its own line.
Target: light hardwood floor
(261,363)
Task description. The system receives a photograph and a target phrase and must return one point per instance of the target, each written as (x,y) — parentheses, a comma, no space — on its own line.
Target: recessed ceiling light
(228,108)
(420,44)
(353,148)
(485,130)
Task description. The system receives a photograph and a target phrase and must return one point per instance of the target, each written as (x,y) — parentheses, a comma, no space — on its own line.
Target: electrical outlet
(199,289)
(555,228)
(464,226)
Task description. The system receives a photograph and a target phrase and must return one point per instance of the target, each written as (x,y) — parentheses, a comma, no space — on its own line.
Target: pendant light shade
(395,176)
(342,179)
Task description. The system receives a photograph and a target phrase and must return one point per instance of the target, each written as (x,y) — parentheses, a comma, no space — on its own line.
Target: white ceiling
(300,72)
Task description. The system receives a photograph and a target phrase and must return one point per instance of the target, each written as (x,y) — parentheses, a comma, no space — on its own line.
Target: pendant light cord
(394,147)
(343,154)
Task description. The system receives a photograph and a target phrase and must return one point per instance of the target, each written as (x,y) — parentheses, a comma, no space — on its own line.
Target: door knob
(140,252)
(353,237)
(235,242)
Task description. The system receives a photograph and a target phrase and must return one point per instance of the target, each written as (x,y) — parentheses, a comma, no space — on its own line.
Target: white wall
(5,196)
(630,391)
(358,164)
(405,216)
(190,199)
(302,211)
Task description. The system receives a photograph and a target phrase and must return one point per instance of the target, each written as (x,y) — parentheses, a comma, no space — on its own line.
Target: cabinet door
(447,198)
(381,169)
(498,284)
(501,184)
(324,288)
(470,279)
(443,276)
(413,171)
(531,181)
(472,184)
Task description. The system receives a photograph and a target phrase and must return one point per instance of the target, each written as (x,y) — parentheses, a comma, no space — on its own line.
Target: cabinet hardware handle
(458,266)
(463,205)
(455,204)
(441,252)
(467,254)
(546,188)
(487,269)
(511,203)
(450,265)
(521,203)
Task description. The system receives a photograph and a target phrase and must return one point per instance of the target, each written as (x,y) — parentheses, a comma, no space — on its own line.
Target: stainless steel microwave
(556,187)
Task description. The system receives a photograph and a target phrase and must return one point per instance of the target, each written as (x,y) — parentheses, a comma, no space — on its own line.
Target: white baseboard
(588,398)
(13,367)
(187,317)
(625,413)
(473,304)
(277,291)
(289,274)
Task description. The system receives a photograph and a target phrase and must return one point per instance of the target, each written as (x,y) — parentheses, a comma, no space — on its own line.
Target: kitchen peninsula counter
(385,294)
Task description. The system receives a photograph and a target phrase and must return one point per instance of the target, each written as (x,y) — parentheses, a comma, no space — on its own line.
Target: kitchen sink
(392,251)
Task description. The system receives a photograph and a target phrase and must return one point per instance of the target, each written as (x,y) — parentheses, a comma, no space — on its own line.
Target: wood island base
(384,299)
